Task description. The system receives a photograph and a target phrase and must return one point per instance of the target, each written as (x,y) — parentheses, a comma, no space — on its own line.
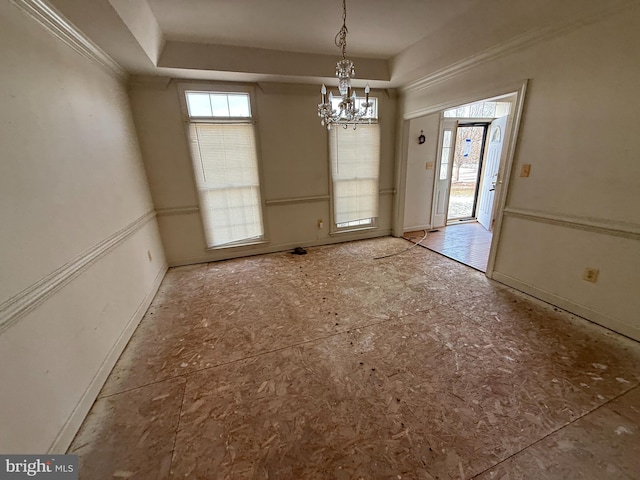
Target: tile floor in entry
(467,242)
(335,365)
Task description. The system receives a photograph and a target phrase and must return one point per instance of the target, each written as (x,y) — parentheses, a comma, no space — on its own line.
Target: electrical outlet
(320,224)
(149,255)
(590,274)
(430,165)
(525,170)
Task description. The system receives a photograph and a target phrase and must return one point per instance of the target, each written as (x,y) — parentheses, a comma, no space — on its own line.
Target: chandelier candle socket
(348,111)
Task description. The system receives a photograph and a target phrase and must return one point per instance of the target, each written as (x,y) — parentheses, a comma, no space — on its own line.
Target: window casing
(225,162)
(355,169)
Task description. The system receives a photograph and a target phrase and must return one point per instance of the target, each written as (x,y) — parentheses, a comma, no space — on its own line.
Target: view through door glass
(464,177)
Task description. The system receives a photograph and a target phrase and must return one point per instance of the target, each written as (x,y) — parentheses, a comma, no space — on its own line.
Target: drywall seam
(606,321)
(22,303)
(598,225)
(56,24)
(77,416)
(520,42)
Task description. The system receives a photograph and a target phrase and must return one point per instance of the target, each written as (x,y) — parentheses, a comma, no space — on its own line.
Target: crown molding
(19,305)
(519,42)
(159,82)
(56,24)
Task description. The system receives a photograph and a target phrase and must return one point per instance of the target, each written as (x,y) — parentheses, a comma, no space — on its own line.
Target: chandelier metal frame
(348,112)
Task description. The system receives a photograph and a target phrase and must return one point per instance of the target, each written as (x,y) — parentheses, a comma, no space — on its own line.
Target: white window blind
(355,166)
(226,168)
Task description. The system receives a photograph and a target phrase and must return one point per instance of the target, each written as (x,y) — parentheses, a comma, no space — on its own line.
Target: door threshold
(461,220)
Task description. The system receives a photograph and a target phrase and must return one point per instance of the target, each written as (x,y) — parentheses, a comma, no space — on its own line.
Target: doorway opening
(467,167)
(468,172)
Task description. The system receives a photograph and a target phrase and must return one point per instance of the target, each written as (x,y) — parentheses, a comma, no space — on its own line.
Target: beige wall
(418,196)
(77,223)
(579,206)
(294,160)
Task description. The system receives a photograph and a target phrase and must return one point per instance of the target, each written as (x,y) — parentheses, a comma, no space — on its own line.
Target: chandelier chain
(341,36)
(346,109)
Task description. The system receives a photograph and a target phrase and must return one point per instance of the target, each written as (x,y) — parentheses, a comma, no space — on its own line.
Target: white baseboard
(416,228)
(570,306)
(346,237)
(73,423)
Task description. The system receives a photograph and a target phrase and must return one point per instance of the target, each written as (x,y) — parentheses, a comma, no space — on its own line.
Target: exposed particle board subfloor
(468,243)
(334,365)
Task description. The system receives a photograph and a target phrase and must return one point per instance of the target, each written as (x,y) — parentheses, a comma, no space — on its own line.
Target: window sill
(352,230)
(238,245)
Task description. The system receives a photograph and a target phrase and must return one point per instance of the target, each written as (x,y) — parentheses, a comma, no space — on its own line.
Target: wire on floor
(405,250)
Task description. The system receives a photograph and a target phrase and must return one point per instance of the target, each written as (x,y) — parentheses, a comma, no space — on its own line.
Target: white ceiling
(379,29)
(393,42)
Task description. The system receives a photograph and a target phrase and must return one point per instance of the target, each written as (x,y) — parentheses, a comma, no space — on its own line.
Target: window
(482,109)
(218,105)
(355,166)
(446,155)
(225,162)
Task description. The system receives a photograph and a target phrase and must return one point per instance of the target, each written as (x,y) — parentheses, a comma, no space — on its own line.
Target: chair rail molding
(163,212)
(598,225)
(12,310)
(293,200)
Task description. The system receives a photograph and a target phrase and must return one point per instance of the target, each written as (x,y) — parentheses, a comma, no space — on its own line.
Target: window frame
(185,87)
(373,225)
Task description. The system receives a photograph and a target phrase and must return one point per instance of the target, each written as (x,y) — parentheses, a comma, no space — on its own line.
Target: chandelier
(348,111)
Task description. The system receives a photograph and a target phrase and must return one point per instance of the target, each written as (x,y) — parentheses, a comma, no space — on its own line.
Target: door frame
(445,125)
(520,89)
(462,124)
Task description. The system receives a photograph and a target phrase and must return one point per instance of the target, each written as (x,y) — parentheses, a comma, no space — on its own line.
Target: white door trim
(501,198)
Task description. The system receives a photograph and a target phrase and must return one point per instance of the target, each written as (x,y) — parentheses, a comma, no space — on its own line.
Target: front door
(490,173)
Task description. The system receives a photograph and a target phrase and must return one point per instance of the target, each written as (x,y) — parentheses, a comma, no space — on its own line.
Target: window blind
(226,168)
(355,166)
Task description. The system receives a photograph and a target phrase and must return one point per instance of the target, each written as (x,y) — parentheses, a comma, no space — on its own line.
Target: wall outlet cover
(590,274)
